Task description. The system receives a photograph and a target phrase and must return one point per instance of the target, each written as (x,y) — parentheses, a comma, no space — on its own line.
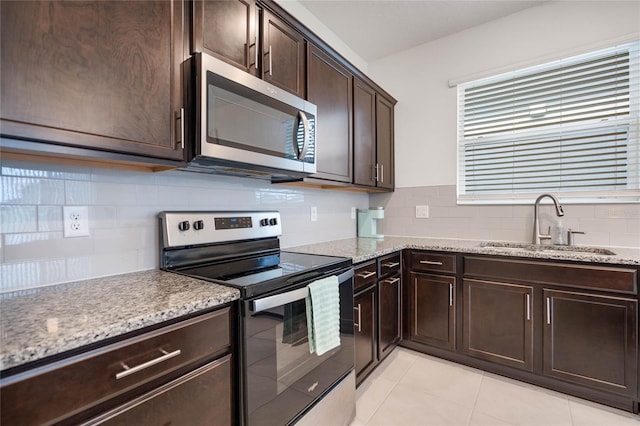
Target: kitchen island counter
(41,322)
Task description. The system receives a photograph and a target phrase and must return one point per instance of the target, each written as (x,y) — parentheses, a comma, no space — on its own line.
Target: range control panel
(192,228)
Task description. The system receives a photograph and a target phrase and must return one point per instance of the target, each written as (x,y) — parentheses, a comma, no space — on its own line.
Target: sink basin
(546,248)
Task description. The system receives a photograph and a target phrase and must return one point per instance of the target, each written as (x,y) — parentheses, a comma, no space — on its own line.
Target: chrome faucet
(537,236)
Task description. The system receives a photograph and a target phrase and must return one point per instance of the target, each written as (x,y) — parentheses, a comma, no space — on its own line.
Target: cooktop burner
(290,269)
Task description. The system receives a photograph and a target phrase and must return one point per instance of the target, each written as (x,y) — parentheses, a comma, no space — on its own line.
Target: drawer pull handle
(430,262)
(130,370)
(358,324)
(392,280)
(366,274)
(391,264)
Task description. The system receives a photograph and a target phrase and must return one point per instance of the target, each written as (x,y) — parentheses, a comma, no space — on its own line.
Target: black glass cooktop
(259,275)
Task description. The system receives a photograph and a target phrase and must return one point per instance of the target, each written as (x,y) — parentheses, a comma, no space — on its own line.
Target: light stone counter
(41,322)
(362,249)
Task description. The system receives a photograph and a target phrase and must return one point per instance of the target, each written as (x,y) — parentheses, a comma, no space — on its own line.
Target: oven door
(282,380)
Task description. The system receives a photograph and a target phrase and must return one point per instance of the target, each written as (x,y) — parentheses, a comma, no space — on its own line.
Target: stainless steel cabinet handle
(528,307)
(450,294)
(381,172)
(392,280)
(180,116)
(548,311)
(391,264)
(366,274)
(130,370)
(430,262)
(255,43)
(359,318)
(270,61)
(377,178)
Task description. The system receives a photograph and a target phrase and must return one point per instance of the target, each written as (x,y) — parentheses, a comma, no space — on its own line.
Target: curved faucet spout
(537,235)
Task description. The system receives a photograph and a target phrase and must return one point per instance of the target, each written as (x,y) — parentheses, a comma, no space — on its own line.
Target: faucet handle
(570,234)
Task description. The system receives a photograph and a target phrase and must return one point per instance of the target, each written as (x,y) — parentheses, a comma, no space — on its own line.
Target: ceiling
(374,29)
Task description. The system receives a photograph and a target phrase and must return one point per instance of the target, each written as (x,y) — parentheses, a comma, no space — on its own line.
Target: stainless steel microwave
(242,125)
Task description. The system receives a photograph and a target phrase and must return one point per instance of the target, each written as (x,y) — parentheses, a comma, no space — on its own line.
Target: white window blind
(570,127)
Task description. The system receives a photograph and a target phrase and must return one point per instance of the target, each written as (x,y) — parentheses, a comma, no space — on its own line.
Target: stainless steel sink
(512,247)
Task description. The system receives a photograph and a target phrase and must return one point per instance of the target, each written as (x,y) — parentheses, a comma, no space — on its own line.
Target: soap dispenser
(558,234)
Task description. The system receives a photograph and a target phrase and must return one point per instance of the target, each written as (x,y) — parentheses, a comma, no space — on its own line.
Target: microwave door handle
(305,144)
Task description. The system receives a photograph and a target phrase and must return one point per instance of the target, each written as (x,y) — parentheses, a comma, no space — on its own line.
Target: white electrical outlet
(422,212)
(353,212)
(76,221)
(314,214)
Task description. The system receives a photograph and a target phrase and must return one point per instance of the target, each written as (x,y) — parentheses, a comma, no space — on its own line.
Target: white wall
(123,208)
(302,14)
(426,111)
(425,121)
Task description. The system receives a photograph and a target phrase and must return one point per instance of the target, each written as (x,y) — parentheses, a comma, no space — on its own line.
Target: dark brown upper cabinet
(228,30)
(372,137)
(329,87)
(364,134)
(99,75)
(284,53)
(384,142)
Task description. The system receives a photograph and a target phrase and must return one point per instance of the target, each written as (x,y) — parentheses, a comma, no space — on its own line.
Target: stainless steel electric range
(281,382)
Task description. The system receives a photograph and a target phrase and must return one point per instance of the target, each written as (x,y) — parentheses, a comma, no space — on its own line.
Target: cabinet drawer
(427,261)
(85,380)
(615,279)
(365,275)
(388,265)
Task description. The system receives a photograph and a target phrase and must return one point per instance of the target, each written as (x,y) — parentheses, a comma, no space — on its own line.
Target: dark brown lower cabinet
(365,332)
(498,322)
(389,323)
(176,374)
(198,398)
(433,310)
(591,340)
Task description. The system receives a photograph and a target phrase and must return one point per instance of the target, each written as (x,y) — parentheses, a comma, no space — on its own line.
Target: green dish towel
(323,315)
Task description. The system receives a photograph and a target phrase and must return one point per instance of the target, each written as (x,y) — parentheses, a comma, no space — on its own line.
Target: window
(570,127)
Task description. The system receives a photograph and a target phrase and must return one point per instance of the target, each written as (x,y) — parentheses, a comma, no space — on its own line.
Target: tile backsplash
(122,217)
(603,224)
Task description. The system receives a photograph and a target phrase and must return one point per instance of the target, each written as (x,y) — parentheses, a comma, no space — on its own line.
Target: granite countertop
(45,321)
(362,249)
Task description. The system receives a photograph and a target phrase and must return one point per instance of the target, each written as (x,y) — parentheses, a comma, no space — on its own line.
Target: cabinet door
(433,310)
(384,126)
(365,332)
(498,323)
(227,29)
(591,340)
(201,397)
(389,297)
(100,75)
(283,62)
(364,134)
(329,87)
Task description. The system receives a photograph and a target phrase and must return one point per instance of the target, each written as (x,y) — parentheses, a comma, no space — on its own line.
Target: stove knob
(198,225)
(264,222)
(273,221)
(184,225)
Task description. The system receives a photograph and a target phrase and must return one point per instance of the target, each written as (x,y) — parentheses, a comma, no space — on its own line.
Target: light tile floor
(410,388)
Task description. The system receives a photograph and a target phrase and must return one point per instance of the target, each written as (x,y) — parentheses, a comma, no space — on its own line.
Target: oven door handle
(290,296)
